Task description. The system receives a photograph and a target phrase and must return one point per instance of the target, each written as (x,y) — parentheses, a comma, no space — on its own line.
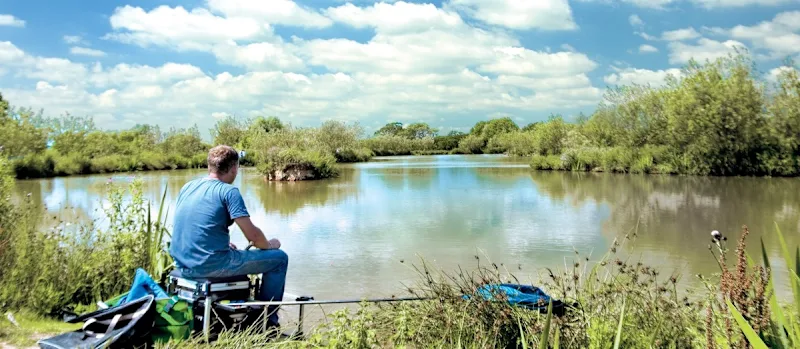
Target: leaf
(748,331)
(557,339)
(546,331)
(795,285)
(779,319)
(619,327)
(521,336)
(764,253)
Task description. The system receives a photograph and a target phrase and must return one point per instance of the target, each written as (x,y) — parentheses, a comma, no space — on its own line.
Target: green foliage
(396,145)
(717,120)
(229,131)
(419,130)
(471,144)
(21,136)
(48,271)
(354,155)
(322,164)
(448,142)
(308,149)
(390,129)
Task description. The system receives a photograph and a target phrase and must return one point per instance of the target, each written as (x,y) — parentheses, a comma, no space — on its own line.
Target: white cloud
(74,39)
(568,47)
(125,74)
(11,21)
(635,21)
(181,29)
(425,51)
(646,36)
(33,67)
(647,49)
(774,73)
(680,34)
(84,51)
(779,37)
(283,12)
(652,4)
(260,56)
(629,76)
(705,49)
(522,61)
(400,16)
(515,14)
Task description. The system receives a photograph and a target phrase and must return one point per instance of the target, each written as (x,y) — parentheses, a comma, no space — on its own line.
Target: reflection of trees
(676,214)
(287,198)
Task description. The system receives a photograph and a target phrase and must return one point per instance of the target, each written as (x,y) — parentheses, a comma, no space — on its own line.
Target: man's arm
(255,235)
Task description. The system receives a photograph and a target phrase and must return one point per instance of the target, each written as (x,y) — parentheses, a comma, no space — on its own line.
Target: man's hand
(253,234)
(274,244)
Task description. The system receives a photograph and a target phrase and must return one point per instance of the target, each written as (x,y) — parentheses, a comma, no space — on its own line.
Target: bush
(516,143)
(72,164)
(390,145)
(546,162)
(49,271)
(472,144)
(323,164)
(354,155)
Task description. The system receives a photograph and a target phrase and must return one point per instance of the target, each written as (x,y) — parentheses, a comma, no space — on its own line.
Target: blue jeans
(271,264)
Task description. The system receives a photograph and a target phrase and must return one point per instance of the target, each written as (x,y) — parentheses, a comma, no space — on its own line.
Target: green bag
(174,319)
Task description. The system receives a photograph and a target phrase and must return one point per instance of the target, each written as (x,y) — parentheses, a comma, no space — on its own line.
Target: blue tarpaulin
(527,296)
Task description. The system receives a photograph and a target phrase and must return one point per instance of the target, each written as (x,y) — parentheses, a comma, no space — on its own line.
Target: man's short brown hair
(222,158)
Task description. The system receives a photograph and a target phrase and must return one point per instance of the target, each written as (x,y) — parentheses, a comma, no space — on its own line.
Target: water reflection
(347,236)
(673,216)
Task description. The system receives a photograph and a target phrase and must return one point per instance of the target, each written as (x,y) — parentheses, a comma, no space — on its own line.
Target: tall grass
(51,270)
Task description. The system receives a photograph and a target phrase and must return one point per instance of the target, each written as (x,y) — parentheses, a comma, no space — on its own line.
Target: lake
(358,235)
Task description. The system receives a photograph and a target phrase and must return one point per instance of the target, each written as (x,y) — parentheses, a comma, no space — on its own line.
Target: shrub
(354,155)
(471,144)
(276,159)
(396,145)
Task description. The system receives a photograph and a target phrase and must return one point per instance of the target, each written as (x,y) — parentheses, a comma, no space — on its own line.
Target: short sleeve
(236,208)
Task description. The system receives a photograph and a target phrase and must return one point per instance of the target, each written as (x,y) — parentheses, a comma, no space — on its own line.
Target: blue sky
(448,63)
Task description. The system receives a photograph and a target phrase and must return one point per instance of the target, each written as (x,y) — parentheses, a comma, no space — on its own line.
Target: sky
(449,63)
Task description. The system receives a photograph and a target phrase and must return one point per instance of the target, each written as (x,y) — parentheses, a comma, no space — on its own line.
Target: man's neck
(212,175)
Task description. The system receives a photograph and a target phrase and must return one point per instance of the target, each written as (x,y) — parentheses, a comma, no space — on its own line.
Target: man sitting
(201,245)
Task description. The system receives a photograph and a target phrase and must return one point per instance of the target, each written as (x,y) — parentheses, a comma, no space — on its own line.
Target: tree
(390,129)
(418,130)
(269,124)
(531,127)
(68,133)
(448,142)
(229,131)
(495,127)
(20,136)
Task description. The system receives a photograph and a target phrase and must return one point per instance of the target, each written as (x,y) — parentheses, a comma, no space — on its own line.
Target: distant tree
(418,130)
(229,131)
(531,127)
(20,136)
(269,124)
(390,129)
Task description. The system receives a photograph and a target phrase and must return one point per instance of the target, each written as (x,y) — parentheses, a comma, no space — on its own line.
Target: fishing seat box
(235,288)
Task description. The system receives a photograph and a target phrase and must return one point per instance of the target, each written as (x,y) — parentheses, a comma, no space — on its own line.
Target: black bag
(123,326)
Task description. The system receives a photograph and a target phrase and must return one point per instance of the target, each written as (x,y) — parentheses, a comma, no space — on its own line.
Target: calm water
(346,237)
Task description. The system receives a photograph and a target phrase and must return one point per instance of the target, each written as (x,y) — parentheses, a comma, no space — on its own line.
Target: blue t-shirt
(205,209)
